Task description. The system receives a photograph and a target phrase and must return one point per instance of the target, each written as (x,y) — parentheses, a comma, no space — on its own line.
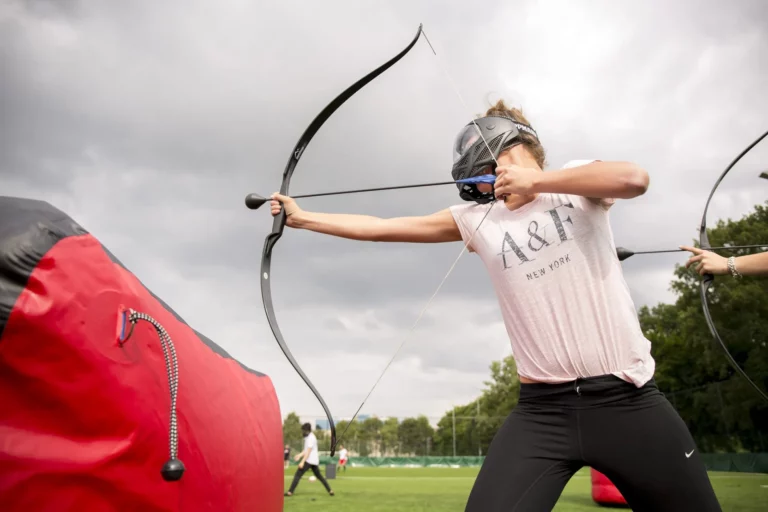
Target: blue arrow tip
(485,178)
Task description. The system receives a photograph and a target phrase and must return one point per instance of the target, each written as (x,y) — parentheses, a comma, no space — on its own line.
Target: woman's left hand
(709,262)
(514,180)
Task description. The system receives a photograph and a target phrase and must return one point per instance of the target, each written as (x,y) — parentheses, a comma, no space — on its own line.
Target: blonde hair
(529,141)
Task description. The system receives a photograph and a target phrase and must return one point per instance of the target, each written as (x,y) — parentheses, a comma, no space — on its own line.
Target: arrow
(254,201)
(623,253)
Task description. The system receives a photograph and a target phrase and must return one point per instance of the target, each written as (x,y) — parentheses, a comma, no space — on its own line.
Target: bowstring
(455,262)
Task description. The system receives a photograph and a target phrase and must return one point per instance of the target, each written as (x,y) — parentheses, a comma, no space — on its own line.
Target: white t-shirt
(564,301)
(311,442)
(343,454)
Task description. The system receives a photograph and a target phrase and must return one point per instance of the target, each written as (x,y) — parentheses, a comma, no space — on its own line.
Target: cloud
(149,122)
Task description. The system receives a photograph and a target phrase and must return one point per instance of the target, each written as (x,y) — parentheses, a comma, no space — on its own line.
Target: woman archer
(587,394)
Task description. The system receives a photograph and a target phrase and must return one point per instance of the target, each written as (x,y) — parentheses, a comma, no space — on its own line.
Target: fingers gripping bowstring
(455,262)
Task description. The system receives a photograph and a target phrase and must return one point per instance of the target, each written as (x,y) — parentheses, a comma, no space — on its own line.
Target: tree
(477,422)
(389,437)
(413,434)
(323,439)
(370,434)
(501,396)
(292,432)
(720,408)
(351,434)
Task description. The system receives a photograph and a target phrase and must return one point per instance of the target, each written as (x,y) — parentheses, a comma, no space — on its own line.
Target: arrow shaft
(733,247)
(377,189)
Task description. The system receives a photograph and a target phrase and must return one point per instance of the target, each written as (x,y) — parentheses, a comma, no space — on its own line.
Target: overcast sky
(149,122)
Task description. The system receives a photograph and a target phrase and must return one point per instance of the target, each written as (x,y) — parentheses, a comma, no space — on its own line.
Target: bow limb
(708,279)
(279,222)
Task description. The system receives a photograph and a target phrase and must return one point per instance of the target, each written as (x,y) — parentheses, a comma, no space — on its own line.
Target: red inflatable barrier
(603,490)
(90,362)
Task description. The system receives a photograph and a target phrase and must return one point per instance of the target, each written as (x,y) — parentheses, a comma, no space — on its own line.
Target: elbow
(635,182)
(376,231)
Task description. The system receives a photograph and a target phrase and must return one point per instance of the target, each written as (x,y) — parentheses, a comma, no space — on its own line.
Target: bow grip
(279,222)
(705,245)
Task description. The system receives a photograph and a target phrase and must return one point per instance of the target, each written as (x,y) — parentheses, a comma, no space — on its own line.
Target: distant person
(287,456)
(310,459)
(343,456)
(712,263)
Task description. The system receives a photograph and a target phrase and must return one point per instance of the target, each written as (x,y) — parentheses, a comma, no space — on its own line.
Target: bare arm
(434,228)
(622,180)
(753,264)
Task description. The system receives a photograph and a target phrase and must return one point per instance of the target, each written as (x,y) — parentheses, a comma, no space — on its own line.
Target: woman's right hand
(279,202)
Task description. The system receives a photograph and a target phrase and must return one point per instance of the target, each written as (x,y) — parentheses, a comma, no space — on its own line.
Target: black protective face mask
(475,155)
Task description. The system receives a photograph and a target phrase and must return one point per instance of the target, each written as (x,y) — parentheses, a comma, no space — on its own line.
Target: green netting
(736,462)
(405,462)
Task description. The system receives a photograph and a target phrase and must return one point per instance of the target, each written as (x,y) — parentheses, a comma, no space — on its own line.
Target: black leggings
(300,472)
(633,436)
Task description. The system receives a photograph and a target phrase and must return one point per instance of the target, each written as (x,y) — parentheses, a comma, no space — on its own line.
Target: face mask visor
(465,140)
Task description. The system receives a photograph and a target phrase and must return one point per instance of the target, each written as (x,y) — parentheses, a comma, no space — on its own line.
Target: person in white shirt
(343,456)
(309,458)
(587,394)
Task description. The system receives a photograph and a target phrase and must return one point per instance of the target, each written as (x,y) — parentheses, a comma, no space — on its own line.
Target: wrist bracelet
(732,267)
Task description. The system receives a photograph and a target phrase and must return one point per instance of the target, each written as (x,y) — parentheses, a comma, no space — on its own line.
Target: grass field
(445,489)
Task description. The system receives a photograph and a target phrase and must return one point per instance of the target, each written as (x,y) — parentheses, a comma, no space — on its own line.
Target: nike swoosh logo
(688,455)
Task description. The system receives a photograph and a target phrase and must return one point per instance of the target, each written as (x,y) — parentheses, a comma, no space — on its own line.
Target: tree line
(724,414)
